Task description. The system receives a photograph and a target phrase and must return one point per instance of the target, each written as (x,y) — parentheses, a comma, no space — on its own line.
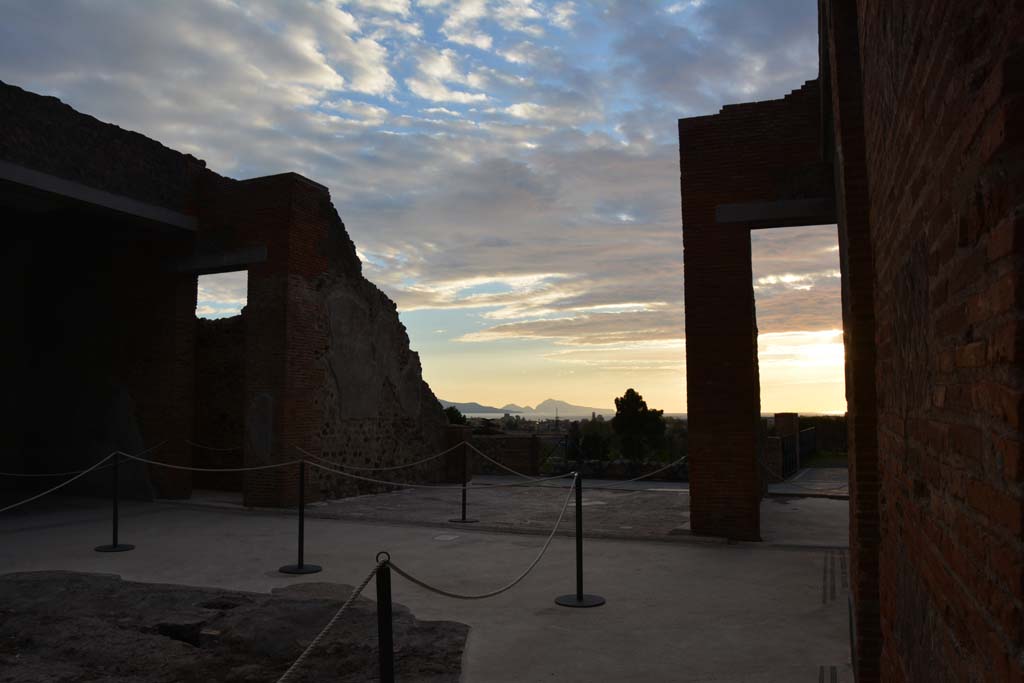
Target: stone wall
(943,110)
(377,410)
(44,134)
(325,367)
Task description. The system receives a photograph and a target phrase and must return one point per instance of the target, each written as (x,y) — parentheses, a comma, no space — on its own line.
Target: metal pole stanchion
(301,567)
(579,598)
(465,480)
(385,640)
(114,546)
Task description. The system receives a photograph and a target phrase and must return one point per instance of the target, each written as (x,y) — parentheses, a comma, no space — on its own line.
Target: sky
(508,169)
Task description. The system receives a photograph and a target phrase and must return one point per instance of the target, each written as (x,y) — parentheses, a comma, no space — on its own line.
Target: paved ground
(831,482)
(696,612)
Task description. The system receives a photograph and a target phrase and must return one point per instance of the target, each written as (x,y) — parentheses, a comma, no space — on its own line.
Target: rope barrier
(90,469)
(422,485)
(645,476)
(49,474)
(490,594)
(79,475)
(395,467)
(502,466)
(61,485)
(330,624)
(212,448)
(816,489)
(215,469)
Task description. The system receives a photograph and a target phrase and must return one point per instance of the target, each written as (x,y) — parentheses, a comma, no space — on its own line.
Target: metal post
(385,640)
(465,480)
(114,546)
(301,567)
(579,599)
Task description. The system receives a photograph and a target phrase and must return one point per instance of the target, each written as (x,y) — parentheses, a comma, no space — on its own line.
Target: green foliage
(639,428)
(455,416)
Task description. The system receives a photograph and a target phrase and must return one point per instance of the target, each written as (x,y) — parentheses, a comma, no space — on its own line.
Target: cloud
(562,14)
(221,295)
(511,163)
(702,54)
(400,7)
(437,68)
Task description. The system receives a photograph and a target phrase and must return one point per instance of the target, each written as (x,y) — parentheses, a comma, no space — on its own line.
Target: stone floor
(72,626)
(825,482)
(687,610)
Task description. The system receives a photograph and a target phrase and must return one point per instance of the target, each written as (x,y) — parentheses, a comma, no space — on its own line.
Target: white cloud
(400,7)
(562,15)
(436,68)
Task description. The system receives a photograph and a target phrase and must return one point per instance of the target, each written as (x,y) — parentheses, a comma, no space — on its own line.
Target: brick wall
(943,101)
(840,49)
(219,401)
(780,145)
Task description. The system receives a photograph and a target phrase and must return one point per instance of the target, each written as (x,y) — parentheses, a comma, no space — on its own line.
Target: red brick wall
(943,101)
(840,51)
(755,152)
(219,402)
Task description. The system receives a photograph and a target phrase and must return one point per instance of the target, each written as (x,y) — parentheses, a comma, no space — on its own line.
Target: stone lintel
(783,213)
(225,261)
(90,195)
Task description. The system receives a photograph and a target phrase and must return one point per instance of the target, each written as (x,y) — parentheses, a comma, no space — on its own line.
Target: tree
(638,427)
(455,416)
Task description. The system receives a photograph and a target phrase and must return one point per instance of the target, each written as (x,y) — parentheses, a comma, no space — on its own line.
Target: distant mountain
(544,409)
(473,407)
(564,409)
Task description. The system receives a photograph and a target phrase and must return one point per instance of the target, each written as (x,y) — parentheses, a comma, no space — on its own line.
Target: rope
(330,624)
(438,487)
(62,484)
(816,489)
(215,469)
(490,594)
(90,469)
(212,448)
(644,476)
(428,485)
(387,469)
(507,469)
(51,474)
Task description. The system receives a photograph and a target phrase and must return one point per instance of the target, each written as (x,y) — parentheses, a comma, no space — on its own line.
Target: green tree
(455,416)
(638,427)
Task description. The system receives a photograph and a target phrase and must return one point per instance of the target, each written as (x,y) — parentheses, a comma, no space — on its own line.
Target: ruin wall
(943,111)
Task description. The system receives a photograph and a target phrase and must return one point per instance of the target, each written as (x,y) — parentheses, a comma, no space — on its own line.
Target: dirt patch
(74,627)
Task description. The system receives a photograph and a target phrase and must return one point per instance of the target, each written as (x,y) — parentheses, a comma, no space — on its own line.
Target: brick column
(840,35)
(723,391)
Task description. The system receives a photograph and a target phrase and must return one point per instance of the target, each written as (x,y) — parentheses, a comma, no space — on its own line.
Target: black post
(579,599)
(114,546)
(465,480)
(301,567)
(385,640)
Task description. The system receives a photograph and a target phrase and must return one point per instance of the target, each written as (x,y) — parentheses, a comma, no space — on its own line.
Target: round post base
(571,601)
(300,569)
(463,521)
(111,548)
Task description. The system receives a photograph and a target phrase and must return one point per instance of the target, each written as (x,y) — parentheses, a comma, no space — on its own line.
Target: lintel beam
(783,213)
(90,195)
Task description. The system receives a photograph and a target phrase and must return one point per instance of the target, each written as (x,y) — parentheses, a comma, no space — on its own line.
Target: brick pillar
(723,391)
(285,335)
(840,37)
